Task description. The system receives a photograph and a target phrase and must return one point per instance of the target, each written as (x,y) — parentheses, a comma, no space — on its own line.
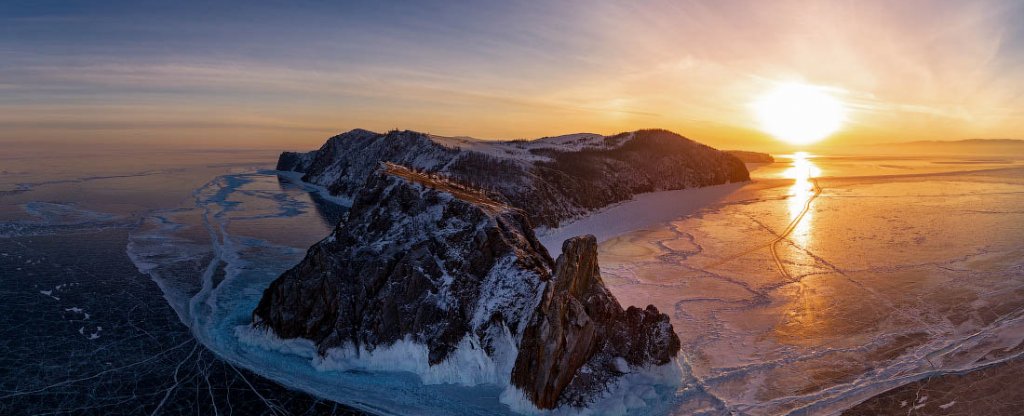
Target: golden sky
(268,76)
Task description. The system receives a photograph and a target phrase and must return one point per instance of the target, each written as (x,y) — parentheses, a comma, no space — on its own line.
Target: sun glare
(799,113)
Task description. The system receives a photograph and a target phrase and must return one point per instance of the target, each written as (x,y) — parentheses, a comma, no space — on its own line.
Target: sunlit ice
(799,113)
(801,194)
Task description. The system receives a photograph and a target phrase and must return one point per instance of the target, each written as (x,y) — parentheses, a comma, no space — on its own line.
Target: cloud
(515,69)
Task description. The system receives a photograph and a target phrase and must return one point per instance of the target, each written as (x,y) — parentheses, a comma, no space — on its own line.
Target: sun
(799,113)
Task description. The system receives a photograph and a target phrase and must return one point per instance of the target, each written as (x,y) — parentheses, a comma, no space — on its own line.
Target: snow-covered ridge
(553,179)
(521,149)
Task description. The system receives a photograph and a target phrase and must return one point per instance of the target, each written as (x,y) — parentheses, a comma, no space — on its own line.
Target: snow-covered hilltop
(435,277)
(552,179)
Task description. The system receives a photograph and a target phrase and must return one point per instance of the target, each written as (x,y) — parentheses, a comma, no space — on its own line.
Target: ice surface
(854,310)
(886,279)
(883,280)
(45,218)
(143,360)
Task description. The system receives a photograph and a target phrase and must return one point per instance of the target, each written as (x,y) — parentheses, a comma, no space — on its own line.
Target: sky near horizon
(290,74)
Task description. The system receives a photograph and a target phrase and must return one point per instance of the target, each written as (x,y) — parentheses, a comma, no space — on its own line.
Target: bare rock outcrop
(580,339)
(426,260)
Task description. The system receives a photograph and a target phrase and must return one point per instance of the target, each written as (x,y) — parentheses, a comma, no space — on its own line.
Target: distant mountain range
(967,147)
(972,142)
(752,157)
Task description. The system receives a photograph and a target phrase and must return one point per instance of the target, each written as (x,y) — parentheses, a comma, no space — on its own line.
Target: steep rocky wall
(437,263)
(411,260)
(572,347)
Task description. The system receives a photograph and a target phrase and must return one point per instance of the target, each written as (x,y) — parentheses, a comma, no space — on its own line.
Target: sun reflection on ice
(800,194)
(802,320)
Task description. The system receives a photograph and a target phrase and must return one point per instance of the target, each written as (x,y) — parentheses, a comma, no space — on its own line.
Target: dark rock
(297,162)
(436,262)
(417,257)
(579,323)
(751,157)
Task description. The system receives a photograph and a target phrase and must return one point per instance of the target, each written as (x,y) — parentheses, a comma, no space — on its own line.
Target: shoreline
(978,391)
(642,211)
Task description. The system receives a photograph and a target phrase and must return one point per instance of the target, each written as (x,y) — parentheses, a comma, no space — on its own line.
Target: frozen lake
(829,280)
(823,282)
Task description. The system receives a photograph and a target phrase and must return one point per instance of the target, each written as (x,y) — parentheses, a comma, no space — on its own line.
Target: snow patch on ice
(79,311)
(644,210)
(91,336)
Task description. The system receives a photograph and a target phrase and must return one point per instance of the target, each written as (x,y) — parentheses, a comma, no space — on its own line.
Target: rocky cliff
(296,162)
(552,179)
(427,261)
(417,257)
(750,157)
(580,340)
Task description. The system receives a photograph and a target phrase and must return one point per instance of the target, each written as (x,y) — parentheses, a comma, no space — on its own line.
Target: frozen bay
(806,290)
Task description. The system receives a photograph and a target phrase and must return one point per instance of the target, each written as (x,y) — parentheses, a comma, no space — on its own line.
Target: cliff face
(580,339)
(421,258)
(296,162)
(751,157)
(417,257)
(551,179)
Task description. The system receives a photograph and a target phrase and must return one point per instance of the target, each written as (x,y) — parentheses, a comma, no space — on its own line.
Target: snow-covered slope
(435,277)
(553,179)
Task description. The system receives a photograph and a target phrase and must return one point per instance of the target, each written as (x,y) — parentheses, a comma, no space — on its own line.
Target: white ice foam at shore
(637,390)
(296,178)
(268,340)
(468,365)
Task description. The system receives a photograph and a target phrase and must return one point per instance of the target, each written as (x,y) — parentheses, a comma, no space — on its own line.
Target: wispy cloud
(510,69)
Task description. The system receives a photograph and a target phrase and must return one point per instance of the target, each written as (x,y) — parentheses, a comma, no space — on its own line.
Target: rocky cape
(751,157)
(552,179)
(455,276)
